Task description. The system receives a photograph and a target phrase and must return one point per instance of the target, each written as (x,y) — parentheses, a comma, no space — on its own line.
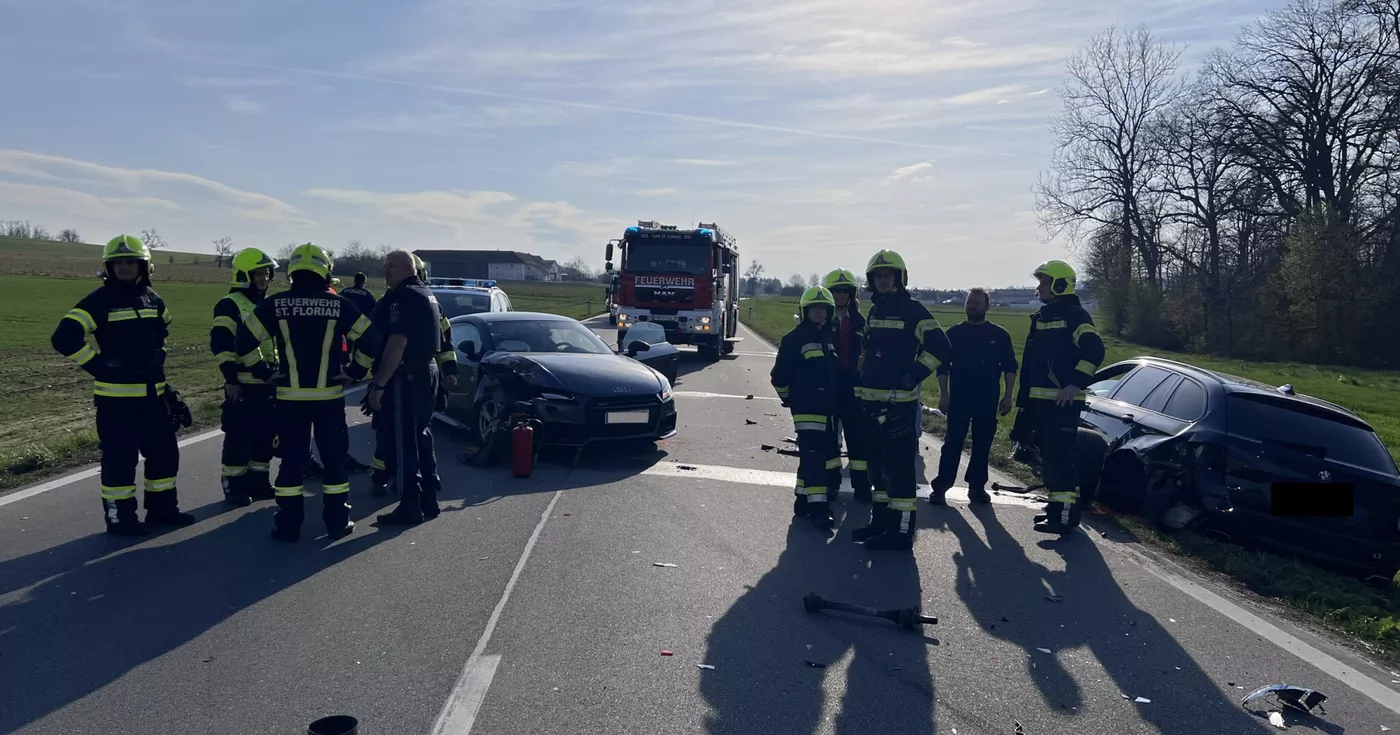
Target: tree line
(1251,208)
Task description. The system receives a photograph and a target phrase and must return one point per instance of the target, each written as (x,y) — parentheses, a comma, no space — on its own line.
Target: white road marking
(1376,691)
(459,713)
(702,394)
(69,479)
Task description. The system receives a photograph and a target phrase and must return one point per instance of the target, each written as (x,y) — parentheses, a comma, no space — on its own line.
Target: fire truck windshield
(692,258)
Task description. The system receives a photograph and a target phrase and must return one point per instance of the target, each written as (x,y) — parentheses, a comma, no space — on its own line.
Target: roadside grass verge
(46,410)
(1362,613)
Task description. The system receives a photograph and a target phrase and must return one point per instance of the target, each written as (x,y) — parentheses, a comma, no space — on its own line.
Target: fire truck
(685,280)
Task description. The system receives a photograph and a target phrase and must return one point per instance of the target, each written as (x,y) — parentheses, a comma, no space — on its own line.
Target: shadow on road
(996,580)
(104,606)
(759,647)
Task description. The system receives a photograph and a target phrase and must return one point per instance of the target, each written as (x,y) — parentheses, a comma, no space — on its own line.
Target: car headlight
(704,320)
(665,394)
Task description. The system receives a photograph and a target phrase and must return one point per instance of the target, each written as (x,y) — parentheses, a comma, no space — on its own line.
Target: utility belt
(126,390)
(887,395)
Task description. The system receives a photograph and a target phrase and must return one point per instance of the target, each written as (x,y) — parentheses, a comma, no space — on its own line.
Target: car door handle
(1126,417)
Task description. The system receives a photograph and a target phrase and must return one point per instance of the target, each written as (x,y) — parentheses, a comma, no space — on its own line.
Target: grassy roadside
(46,412)
(1359,612)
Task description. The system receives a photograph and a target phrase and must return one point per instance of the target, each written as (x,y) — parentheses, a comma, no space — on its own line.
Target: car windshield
(457,304)
(1298,427)
(545,335)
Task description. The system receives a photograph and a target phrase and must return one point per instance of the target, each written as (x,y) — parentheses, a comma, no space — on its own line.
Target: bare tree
(39,233)
(797,281)
(69,235)
(751,276)
(284,253)
(1118,87)
(152,239)
(814,280)
(223,248)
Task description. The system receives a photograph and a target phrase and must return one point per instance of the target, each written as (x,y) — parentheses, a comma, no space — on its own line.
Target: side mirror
(608,265)
(637,346)
(468,348)
(608,254)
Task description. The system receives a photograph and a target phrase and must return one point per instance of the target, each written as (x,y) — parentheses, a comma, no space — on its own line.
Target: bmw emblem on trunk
(1324,475)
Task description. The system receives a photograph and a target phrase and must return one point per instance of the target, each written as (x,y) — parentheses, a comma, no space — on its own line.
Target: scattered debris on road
(1143,700)
(770,414)
(815,664)
(667,653)
(767,447)
(1276,719)
(207,660)
(1044,650)
(750,422)
(790,439)
(666,564)
(1054,598)
(1019,729)
(1305,700)
(686,467)
(704,666)
(748,397)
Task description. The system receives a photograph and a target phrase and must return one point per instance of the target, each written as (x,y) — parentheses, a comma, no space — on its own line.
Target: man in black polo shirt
(982,353)
(405,385)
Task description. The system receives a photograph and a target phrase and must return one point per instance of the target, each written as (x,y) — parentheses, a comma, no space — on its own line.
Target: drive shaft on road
(905,617)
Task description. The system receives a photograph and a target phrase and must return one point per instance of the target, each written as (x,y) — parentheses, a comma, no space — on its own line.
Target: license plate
(661,318)
(627,417)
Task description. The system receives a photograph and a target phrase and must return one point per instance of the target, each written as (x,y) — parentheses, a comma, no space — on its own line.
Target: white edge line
(1379,693)
(80,475)
(469,691)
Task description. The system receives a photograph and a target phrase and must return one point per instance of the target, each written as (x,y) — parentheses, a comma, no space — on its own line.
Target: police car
(460,296)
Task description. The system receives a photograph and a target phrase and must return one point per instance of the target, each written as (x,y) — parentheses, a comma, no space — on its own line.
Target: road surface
(537,606)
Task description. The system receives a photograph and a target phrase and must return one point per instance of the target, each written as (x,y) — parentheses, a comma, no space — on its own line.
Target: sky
(814,131)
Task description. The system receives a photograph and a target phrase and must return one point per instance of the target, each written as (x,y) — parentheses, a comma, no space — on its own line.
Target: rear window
(1295,425)
(457,304)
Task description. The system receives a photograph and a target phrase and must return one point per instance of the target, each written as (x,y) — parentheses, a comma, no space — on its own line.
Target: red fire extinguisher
(522,446)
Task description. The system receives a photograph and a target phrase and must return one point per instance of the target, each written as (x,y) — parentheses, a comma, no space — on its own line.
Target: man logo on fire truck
(685,280)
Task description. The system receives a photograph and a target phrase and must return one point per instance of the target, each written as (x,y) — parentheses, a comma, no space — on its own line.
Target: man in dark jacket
(903,345)
(130,324)
(850,421)
(1063,351)
(804,375)
(359,295)
(970,394)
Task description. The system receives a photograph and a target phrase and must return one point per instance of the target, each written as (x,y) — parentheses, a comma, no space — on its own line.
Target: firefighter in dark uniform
(804,375)
(850,420)
(307,323)
(249,419)
(903,345)
(447,372)
(405,388)
(130,324)
(1063,351)
(970,395)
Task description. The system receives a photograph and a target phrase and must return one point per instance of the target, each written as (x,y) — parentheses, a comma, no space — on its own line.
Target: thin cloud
(242,105)
(905,172)
(703,162)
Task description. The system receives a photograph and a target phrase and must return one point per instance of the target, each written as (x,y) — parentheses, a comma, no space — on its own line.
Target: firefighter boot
(335,511)
(355,466)
(121,518)
(163,509)
(978,495)
(1058,518)
(409,512)
(236,491)
(898,534)
(286,522)
(939,496)
(879,514)
(427,500)
(820,515)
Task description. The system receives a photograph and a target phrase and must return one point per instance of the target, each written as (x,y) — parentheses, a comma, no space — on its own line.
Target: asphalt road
(537,606)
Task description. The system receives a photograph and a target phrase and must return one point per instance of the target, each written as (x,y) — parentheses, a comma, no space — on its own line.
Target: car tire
(1091,452)
(493,401)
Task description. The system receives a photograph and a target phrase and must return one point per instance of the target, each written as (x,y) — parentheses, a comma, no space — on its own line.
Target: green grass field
(1344,605)
(46,412)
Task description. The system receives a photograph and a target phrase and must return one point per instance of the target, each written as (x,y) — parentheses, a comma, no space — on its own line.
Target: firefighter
(805,377)
(312,467)
(307,323)
(903,345)
(405,388)
(130,324)
(248,417)
(849,420)
(1063,351)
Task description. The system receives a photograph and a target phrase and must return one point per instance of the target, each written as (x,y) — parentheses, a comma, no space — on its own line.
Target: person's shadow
(765,645)
(96,608)
(996,580)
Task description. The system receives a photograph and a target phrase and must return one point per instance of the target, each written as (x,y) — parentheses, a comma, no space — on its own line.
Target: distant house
(501,265)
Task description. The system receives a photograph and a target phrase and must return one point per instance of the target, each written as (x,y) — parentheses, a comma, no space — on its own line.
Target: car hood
(587,375)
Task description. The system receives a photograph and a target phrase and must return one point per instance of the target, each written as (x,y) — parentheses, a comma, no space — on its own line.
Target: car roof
(1236,384)
(512,316)
(467,289)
